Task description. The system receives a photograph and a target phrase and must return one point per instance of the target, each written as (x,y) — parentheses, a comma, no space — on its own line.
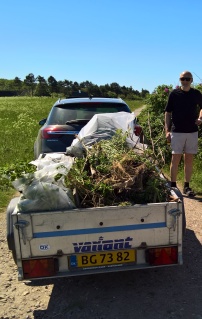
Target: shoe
(189,192)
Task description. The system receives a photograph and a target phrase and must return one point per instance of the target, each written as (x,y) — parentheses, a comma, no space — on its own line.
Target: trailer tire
(10,233)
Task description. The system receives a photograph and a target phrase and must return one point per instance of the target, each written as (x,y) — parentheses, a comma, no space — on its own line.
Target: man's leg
(188,166)
(174,166)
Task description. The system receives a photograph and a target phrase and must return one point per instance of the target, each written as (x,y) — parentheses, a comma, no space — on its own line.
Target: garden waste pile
(106,165)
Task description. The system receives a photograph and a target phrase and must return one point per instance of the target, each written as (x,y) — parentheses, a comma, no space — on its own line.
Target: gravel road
(171,292)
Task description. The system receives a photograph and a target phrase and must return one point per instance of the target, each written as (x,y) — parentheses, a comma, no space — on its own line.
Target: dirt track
(174,292)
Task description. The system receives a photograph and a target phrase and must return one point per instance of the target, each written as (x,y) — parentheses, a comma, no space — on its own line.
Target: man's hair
(187,73)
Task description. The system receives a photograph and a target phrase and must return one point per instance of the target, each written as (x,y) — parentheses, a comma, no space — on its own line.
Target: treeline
(39,86)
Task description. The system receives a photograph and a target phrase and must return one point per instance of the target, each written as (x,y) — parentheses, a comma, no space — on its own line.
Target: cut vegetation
(111,173)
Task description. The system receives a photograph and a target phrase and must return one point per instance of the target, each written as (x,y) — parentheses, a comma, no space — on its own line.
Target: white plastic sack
(49,159)
(48,167)
(104,126)
(40,190)
(51,165)
(113,121)
(41,196)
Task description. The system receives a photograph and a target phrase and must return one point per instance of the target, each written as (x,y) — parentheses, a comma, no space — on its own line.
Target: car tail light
(37,268)
(162,256)
(137,130)
(50,132)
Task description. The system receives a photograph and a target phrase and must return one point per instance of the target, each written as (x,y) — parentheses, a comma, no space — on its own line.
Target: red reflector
(162,256)
(138,130)
(36,268)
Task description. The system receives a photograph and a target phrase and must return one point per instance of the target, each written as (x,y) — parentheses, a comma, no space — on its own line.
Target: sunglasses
(185,79)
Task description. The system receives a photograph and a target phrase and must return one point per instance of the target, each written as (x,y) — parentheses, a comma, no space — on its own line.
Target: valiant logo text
(102,245)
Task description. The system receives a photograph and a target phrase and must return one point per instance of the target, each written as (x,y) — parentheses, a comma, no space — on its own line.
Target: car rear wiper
(77,121)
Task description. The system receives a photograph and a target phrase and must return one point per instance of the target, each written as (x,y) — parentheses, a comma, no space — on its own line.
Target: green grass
(19,126)
(18,129)
(135,104)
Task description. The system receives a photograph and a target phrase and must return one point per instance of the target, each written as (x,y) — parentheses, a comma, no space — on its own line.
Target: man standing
(181,128)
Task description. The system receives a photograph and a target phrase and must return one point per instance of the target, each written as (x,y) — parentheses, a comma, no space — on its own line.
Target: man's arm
(199,120)
(168,126)
(200,114)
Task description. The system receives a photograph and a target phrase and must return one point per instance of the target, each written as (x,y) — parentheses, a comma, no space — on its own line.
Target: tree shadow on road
(169,292)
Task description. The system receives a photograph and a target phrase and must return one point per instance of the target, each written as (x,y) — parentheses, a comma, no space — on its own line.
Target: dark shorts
(184,143)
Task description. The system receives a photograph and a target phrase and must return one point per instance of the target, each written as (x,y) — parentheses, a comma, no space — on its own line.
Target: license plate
(103,258)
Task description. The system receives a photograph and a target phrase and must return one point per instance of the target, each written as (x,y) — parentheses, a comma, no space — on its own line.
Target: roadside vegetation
(152,120)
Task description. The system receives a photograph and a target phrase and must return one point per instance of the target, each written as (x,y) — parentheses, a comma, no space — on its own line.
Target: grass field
(18,130)
(19,126)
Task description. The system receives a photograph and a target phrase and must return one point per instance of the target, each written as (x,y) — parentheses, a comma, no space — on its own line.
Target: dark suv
(67,117)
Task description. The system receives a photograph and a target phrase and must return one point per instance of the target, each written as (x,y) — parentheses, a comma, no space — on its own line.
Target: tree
(136,92)
(53,84)
(144,93)
(86,84)
(115,87)
(4,84)
(68,88)
(111,94)
(42,88)
(103,90)
(17,83)
(65,87)
(94,90)
(75,86)
(30,82)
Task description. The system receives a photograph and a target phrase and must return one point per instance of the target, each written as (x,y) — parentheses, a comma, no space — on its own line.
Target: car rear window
(67,112)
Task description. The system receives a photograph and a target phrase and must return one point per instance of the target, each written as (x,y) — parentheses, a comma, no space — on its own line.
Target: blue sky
(138,43)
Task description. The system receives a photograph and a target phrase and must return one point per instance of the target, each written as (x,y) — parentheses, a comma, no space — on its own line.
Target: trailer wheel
(10,233)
